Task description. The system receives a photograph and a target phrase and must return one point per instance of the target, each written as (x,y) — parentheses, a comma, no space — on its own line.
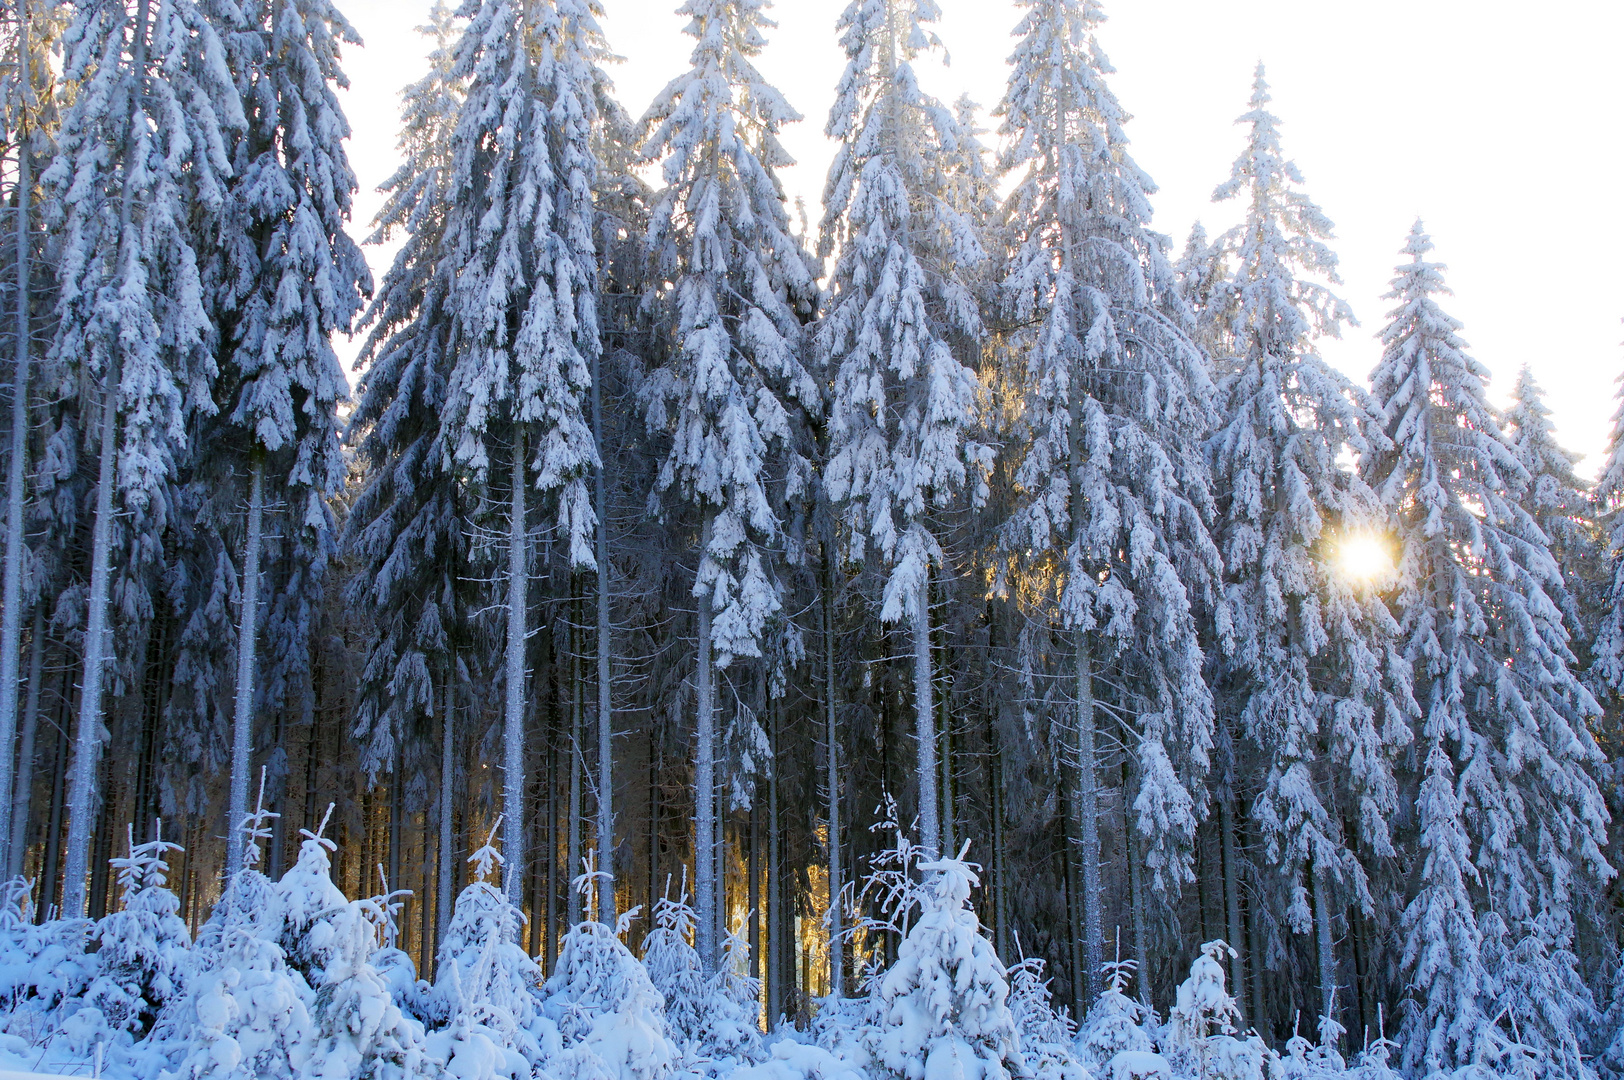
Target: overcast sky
(1496,122)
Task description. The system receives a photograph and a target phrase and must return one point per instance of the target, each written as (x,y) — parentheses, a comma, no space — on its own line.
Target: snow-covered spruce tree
(1561,504)
(486,996)
(943,1006)
(284,278)
(741,286)
(143,951)
(137,179)
(359,1029)
(706,1022)
(1112,492)
(1047,1036)
(521,320)
(610,1018)
(407,525)
(244,1013)
(902,322)
(1115,1023)
(1201,1004)
(1512,821)
(1309,664)
(674,970)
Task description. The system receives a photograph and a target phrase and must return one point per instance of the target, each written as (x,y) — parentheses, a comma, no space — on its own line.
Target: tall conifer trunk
(1325,942)
(446,856)
(11,606)
(836,882)
(242,727)
(705,783)
(23,789)
(1088,822)
(930,834)
(1232,902)
(606,758)
(87,742)
(513,719)
(775,888)
(573,842)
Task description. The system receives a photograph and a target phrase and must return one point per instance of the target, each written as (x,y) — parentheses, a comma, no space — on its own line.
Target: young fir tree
(284,278)
(486,996)
(137,180)
(741,286)
(704,1019)
(521,320)
(1113,500)
(1308,666)
(901,325)
(1201,1003)
(359,1028)
(1047,1036)
(610,1018)
(944,1004)
(245,1013)
(143,954)
(1512,820)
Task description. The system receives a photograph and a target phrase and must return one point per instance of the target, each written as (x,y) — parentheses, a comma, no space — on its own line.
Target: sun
(1364,557)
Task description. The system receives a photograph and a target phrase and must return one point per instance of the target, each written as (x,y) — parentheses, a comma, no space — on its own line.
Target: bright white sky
(1495,121)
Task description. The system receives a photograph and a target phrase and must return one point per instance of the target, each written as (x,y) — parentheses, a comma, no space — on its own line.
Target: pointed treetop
(256,827)
(1533,434)
(147,866)
(487,859)
(1425,366)
(1281,247)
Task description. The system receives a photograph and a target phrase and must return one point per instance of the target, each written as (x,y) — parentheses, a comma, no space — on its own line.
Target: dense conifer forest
(950,633)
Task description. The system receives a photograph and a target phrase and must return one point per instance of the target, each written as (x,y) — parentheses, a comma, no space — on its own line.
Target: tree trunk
(446,856)
(705,783)
(1088,823)
(719,853)
(1260,1018)
(1327,947)
(775,889)
(49,891)
(23,790)
(1232,903)
(944,741)
(753,862)
(517,639)
(11,606)
(1074,912)
(930,834)
(573,848)
(1000,858)
(242,728)
(102,844)
(551,941)
(1136,894)
(831,735)
(396,811)
(606,775)
(88,741)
